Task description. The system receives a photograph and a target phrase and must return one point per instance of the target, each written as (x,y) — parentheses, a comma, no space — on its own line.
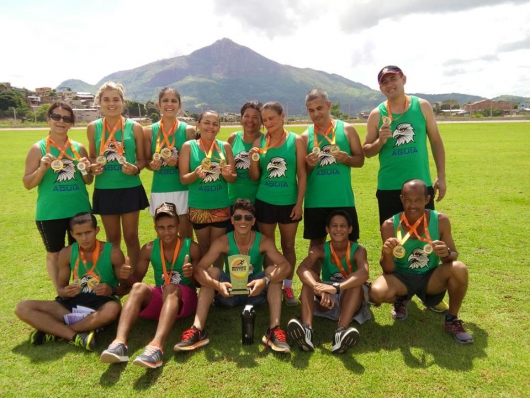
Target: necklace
(249,243)
(405,108)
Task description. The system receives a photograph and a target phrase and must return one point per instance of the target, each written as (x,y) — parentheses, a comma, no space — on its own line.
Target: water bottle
(248,316)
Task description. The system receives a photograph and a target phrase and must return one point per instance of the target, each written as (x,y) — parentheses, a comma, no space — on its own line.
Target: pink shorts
(188,300)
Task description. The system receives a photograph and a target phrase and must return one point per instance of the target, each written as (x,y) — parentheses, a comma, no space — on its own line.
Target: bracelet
(448,252)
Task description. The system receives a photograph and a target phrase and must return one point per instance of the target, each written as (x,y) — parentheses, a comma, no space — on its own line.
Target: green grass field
(488,201)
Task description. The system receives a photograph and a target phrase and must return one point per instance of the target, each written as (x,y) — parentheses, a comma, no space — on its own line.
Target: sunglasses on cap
(239,217)
(66,119)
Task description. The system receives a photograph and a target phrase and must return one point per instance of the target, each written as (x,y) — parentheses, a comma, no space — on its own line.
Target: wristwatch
(336,285)
(114,290)
(267,281)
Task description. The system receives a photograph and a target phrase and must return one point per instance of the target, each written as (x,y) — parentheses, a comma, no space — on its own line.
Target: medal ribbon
(331,129)
(427,238)
(62,151)
(165,141)
(214,145)
(268,142)
(167,276)
(95,257)
(339,263)
(412,230)
(104,145)
(389,110)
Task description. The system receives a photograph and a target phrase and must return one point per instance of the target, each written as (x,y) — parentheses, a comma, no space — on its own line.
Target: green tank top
(167,178)
(329,176)
(244,187)
(112,176)
(256,258)
(278,184)
(63,193)
(330,271)
(211,192)
(177,277)
(404,156)
(416,261)
(104,268)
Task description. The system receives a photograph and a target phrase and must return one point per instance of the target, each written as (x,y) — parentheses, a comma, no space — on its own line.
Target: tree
(336,112)
(41,112)
(12,99)
(155,117)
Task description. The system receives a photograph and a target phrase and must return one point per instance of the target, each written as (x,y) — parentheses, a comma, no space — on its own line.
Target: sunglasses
(66,119)
(239,217)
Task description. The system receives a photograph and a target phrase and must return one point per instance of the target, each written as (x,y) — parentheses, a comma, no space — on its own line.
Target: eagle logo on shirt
(242,161)
(403,134)
(67,173)
(418,259)
(111,153)
(325,157)
(212,174)
(175,278)
(277,167)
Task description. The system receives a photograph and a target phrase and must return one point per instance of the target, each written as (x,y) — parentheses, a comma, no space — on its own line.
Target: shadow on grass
(422,340)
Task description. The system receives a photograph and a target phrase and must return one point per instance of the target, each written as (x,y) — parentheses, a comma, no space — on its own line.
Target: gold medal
(334,149)
(156,156)
(166,153)
(57,164)
(255,157)
(92,283)
(102,160)
(386,121)
(77,282)
(206,163)
(427,249)
(121,159)
(399,251)
(316,150)
(222,163)
(82,168)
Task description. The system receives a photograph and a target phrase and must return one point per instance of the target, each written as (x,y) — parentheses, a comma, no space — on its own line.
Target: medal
(166,153)
(168,274)
(334,149)
(316,150)
(104,145)
(82,168)
(399,251)
(255,157)
(102,160)
(156,156)
(92,283)
(386,121)
(206,164)
(57,164)
(427,249)
(121,159)
(222,163)
(77,282)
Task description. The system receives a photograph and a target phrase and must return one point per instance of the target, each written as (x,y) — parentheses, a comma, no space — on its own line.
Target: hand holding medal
(254,154)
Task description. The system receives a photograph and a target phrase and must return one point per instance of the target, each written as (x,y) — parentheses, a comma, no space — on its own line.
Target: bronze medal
(102,160)
(206,163)
(166,153)
(399,251)
(57,164)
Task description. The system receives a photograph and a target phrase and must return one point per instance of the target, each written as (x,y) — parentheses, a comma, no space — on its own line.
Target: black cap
(168,209)
(389,69)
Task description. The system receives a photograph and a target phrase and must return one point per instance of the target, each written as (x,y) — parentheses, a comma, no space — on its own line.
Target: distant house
(478,106)
(86,115)
(42,91)
(33,100)
(363,115)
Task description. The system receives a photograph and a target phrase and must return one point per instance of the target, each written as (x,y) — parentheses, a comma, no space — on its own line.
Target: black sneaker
(344,339)
(301,335)
(116,353)
(192,339)
(37,337)
(87,340)
(151,358)
(275,339)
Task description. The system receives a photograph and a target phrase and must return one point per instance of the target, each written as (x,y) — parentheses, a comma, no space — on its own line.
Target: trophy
(239,267)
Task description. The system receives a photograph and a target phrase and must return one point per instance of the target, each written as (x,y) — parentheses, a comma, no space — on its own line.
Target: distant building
(42,91)
(478,106)
(4,86)
(86,115)
(33,100)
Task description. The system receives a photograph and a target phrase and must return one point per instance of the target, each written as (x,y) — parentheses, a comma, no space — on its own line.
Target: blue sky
(475,47)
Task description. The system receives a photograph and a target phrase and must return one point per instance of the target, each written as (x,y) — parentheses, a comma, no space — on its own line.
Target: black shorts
(390,203)
(315,222)
(86,300)
(272,214)
(107,202)
(417,285)
(52,233)
(219,224)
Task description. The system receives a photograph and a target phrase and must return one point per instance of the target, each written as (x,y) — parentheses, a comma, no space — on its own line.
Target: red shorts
(188,300)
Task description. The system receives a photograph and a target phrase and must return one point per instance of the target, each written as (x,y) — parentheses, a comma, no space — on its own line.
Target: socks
(287,283)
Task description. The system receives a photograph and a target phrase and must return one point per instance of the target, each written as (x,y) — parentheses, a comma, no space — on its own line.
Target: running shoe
(151,358)
(301,335)
(275,338)
(344,339)
(116,353)
(192,339)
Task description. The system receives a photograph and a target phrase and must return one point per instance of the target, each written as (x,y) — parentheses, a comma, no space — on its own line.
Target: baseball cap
(168,209)
(389,69)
